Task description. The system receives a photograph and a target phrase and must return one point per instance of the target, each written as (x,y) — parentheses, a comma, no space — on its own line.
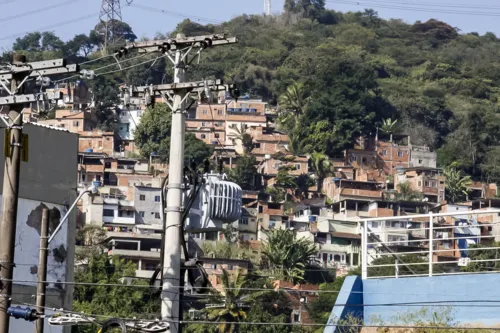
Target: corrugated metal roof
(50,127)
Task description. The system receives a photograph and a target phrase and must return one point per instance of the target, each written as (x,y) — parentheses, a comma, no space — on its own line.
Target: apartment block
(97,141)
(428,181)
(75,121)
(148,205)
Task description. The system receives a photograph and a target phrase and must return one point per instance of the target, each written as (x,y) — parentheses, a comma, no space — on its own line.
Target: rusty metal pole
(10,196)
(42,270)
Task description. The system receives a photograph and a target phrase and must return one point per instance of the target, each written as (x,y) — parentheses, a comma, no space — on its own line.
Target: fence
(431,244)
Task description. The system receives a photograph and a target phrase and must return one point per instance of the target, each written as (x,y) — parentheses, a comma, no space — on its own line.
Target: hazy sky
(69,17)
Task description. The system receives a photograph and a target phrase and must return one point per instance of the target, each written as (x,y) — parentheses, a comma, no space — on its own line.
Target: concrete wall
(48,179)
(477,289)
(422,158)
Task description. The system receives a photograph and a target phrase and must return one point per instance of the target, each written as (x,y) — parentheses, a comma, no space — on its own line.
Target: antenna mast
(267,7)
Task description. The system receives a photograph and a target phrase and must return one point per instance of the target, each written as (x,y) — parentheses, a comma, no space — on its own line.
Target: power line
(55,25)
(36,11)
(418,9)
(177,14)
(438,4)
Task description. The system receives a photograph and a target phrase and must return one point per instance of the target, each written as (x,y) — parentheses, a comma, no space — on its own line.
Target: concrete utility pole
(175,95)
(15,150)
(8,221)
(42,270)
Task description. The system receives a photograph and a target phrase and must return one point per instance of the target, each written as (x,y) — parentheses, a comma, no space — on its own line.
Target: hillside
(353,71)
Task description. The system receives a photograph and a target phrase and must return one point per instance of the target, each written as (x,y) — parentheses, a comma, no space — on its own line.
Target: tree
(119,301)
(389,126)
(246,140)
(293,104)
(152,135)
(321,166)
(304,182)
(456,184)
(230,303)
(297,145)
(407,193)
(487,260)
(244,173)
(287,255)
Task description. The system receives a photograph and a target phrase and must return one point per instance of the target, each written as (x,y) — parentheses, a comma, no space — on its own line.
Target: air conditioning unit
(267,157)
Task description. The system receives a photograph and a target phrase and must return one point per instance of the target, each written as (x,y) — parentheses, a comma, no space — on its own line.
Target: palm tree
(246,140)
(407,193)
(227,304)
(288,256)
(389,126)
(292,103)
(322,167)
(297,146)
(456,184)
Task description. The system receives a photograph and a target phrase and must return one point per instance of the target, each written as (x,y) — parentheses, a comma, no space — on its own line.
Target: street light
(92,190)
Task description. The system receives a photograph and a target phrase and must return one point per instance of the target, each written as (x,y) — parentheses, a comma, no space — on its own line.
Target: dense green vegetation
(341,74)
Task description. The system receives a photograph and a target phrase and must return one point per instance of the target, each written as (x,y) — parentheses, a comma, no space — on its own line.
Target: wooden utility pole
(42,270)
(12,148)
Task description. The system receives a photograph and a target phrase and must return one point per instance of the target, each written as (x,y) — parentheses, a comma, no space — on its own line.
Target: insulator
(18,312)
(87,74)
(208,41)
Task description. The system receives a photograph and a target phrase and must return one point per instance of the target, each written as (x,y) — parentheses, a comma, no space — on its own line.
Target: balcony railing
(465,243)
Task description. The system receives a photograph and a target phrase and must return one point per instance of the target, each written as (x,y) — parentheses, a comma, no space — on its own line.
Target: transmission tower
(267,7)
(109,17)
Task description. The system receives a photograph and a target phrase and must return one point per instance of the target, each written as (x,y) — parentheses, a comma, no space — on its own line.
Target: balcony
(119,220)
(340,248)
(361,193)
(135,254)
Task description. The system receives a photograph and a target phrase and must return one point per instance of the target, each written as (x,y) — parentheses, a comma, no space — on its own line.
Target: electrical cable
(55,25)
(418,9)
(280,324)
(133,66)
(178,14)
(37,11)
(436,4)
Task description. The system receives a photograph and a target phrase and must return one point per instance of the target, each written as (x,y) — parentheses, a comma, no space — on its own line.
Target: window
(98,178)
(261,209)
(229,267)
(204,111)
(374,224)
(218,124)
(400,154)
(203,136)
(272,224)
(419,183)
(219,112)
(433,183)
(420,161)
(203,124)
(244,221)
(142,197)
(427,183)
(100,143)
(363,159)
(256,145)
(157,198)
(296,317)
(75,123)
(297,166)
(216,135)
(384,152)
(141,213)
(108,213)
(157,215)
(213,266)
(83,177)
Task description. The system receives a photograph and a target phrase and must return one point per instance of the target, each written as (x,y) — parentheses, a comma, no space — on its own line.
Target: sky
(70,17)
